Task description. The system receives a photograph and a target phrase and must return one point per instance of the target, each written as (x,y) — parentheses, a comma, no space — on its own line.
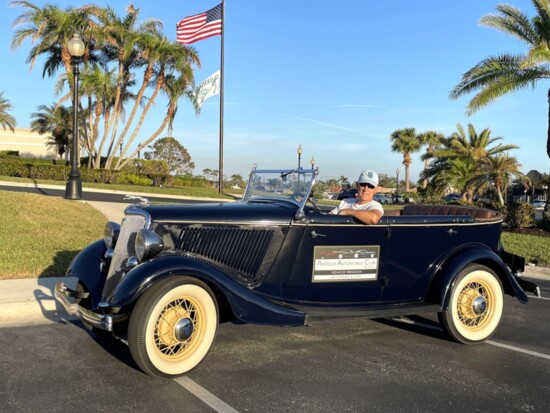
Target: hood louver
(241,249)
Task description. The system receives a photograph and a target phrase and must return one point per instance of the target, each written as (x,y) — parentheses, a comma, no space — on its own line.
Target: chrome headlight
(147,244)
(110,235)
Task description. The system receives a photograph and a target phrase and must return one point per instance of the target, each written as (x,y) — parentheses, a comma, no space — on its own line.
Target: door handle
(315,234)
(451,232)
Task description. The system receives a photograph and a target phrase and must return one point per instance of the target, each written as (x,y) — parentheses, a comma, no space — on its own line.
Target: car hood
(222,212)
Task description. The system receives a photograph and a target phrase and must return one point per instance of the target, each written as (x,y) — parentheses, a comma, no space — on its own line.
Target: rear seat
(480,214)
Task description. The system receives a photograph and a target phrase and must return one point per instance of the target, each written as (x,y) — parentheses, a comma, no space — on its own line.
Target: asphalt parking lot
(353,365)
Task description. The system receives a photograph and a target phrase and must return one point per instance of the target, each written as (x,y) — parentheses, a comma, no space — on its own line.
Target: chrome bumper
(101,321)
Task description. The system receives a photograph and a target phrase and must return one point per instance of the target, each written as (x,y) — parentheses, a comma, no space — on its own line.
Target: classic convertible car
(169,274)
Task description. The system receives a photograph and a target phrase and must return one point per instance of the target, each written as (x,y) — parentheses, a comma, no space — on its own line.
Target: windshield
(289,184)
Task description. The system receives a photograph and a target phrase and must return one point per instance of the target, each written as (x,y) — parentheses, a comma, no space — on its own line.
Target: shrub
(520,215)
(189,180)
(134,179)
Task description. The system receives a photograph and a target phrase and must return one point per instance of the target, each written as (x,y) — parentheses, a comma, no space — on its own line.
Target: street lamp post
(73,189)
(312,162)
(299,150)
(397,186)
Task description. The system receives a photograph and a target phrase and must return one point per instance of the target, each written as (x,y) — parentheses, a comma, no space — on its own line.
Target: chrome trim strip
(101,321)
(136,210)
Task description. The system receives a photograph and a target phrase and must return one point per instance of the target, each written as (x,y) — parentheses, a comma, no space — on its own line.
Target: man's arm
(371,216)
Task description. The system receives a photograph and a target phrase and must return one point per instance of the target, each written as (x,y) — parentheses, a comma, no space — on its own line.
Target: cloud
(330,125)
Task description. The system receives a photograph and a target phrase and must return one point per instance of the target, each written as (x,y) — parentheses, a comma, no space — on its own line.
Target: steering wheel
(313,202)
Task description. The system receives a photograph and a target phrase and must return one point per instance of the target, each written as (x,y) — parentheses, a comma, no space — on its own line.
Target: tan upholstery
(480,214)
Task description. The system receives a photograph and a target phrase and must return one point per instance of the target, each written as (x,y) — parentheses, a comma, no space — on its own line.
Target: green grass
(40,235)
(534,249)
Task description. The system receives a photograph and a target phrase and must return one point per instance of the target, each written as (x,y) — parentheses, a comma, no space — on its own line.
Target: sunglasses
(364,184)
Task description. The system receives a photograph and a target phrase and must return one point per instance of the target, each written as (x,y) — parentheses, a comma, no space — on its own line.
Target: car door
(415,245)
(338,260)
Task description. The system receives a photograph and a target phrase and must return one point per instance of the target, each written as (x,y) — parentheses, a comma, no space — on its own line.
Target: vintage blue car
(169,274)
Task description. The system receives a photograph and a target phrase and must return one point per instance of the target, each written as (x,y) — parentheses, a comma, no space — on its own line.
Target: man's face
(365,193)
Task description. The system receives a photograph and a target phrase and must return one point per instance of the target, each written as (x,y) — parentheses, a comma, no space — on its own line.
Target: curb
(30,301)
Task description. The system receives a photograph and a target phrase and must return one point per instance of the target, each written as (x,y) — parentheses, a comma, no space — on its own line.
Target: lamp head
(76,46)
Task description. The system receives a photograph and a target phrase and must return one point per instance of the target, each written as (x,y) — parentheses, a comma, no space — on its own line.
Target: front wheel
(173,326)
(476,305)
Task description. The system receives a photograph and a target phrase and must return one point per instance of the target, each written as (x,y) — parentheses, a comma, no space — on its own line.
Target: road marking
(540,298)
(519,350)
(200,392)
(493,343)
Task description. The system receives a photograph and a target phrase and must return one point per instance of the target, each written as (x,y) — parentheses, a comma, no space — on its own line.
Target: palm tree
(432,140)
(476,146)
(57,121)
(175,87)
(498,170)
(161,56)
(499,75)
(6,120)
(50,28)
(460,157)
(406,141)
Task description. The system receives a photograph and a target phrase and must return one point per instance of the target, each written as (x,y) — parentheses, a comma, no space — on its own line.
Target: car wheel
(173,326)
(476,305)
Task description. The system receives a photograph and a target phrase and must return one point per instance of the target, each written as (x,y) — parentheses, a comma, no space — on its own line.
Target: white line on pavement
(200,392)
(493,343)
(519,350)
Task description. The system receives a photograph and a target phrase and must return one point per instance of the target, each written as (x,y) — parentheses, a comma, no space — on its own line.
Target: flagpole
(220,183)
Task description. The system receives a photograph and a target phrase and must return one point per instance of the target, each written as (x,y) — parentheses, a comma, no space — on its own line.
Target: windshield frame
(306,174)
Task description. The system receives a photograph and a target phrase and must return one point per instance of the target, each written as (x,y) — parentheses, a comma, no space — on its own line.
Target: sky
(336,77)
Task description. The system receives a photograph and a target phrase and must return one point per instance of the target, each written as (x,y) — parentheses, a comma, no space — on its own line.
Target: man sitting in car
(363,207)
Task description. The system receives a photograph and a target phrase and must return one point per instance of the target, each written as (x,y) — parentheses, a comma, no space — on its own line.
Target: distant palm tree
(432,140)
(57,122)
(498,170)
(499,75)
(6,120)
(405,141)
(460,158)
(476,146)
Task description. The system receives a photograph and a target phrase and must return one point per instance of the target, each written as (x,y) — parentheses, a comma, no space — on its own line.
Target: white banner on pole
(208,88)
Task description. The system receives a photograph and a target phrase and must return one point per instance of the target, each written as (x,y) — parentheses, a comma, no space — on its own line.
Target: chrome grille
(123,249)
(241,249)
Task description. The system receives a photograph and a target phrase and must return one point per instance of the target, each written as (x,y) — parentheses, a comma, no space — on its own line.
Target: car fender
(85,268)
(449,269)
(246,305)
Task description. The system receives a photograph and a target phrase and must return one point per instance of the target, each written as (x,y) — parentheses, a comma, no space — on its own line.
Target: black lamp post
(397,186)
(73,190)
(312,162)
(299,150)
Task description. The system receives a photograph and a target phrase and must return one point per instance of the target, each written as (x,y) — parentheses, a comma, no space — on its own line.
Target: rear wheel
(173,326)
(476,305)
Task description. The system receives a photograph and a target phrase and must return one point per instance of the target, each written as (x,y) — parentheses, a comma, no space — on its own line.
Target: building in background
(28,144)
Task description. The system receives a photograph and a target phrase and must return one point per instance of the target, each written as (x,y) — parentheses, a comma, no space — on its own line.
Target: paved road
(93,196)
(353,365)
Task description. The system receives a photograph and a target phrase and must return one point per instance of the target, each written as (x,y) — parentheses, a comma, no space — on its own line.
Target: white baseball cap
(369,177)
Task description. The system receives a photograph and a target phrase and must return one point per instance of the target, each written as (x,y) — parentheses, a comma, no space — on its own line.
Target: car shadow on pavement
(117,347)
(44,294)
(54,312)
(417,324)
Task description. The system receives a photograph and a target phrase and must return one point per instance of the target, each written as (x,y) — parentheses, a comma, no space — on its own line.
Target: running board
(330,313)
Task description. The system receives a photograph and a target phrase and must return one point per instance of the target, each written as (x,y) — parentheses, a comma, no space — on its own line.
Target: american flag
(200,26)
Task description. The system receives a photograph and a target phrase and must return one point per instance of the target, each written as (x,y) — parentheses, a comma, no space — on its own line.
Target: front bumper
(97,320)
